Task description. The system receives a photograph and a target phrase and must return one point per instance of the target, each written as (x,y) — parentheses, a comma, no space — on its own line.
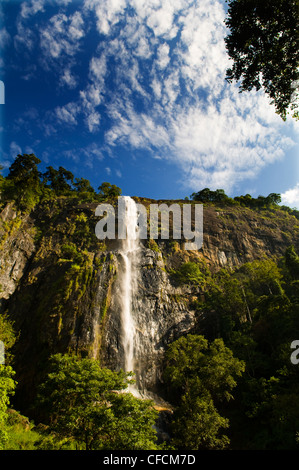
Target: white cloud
(68,79)
(62,35)
(15,150)
(25,38)
(85,155)
(291,197)
(93,121)
(4,37)
(163,55)
(63,2)
(67,114)
(31,8)
(98,69)
(107,12)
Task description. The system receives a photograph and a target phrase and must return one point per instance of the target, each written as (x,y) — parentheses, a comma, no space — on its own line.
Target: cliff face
(59,283)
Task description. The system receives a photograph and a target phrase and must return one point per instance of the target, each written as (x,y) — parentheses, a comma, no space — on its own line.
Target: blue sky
(133,92)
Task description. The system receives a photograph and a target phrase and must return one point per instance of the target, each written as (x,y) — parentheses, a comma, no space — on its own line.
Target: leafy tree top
(263,43)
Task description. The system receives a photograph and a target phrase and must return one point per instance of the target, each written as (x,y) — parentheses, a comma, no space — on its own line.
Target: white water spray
(128,281)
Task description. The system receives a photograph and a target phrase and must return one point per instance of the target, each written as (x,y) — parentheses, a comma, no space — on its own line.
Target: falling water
(129,253)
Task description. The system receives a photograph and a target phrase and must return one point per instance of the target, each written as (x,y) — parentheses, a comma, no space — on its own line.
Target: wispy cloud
(86,156)
(4,37)
(67,114)
(107,12)
(62,36)
(31,8)
(15,150)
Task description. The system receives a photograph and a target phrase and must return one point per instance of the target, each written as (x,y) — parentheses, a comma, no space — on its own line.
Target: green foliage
(264,46)
(152,245)
(86,404)
(197,425)
(7,336)
(218,196)
(27,186)
(256,309)
(22,183)
(272,200)
(21,434)
(7,388)
(189,273)
(292,262)
(84,190)
(207,195)
(200,376)
(57,180)
(108,190)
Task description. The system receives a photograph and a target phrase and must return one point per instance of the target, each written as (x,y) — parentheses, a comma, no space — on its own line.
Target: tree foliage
(264,46)
(22,183)
(200,377)
(108,190)
(27,186)
(7,388)
(58,180)
(87,404)
(266,412)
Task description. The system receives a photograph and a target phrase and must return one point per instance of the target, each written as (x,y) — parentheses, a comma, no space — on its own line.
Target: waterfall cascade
(144,314)
(128,283)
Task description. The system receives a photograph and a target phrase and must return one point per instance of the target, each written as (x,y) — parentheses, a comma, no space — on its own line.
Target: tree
(58,180)
(200,376)
(7,387)
(107,190)
(7,335)
(197,425)
(82,185)
(84,189)
(207,195)
(189,273)
(263,43)
(273,198)
(86,404)
(22,183)
(292,262)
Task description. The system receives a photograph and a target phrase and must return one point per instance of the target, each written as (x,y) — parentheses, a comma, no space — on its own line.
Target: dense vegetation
(231,382)
(218,196)
(26,186)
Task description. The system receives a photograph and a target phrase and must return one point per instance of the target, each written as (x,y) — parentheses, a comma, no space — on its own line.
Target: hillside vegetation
(231,381)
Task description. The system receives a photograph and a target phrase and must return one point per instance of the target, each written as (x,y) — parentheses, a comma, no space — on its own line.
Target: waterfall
(128,282)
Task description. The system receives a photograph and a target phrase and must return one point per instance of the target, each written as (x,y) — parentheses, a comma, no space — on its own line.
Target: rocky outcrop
(59,283)
(235,235)
(17,247)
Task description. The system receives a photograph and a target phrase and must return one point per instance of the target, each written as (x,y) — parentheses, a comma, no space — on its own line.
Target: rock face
(59,283)
(17,246)
(236,235)
(161,314)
